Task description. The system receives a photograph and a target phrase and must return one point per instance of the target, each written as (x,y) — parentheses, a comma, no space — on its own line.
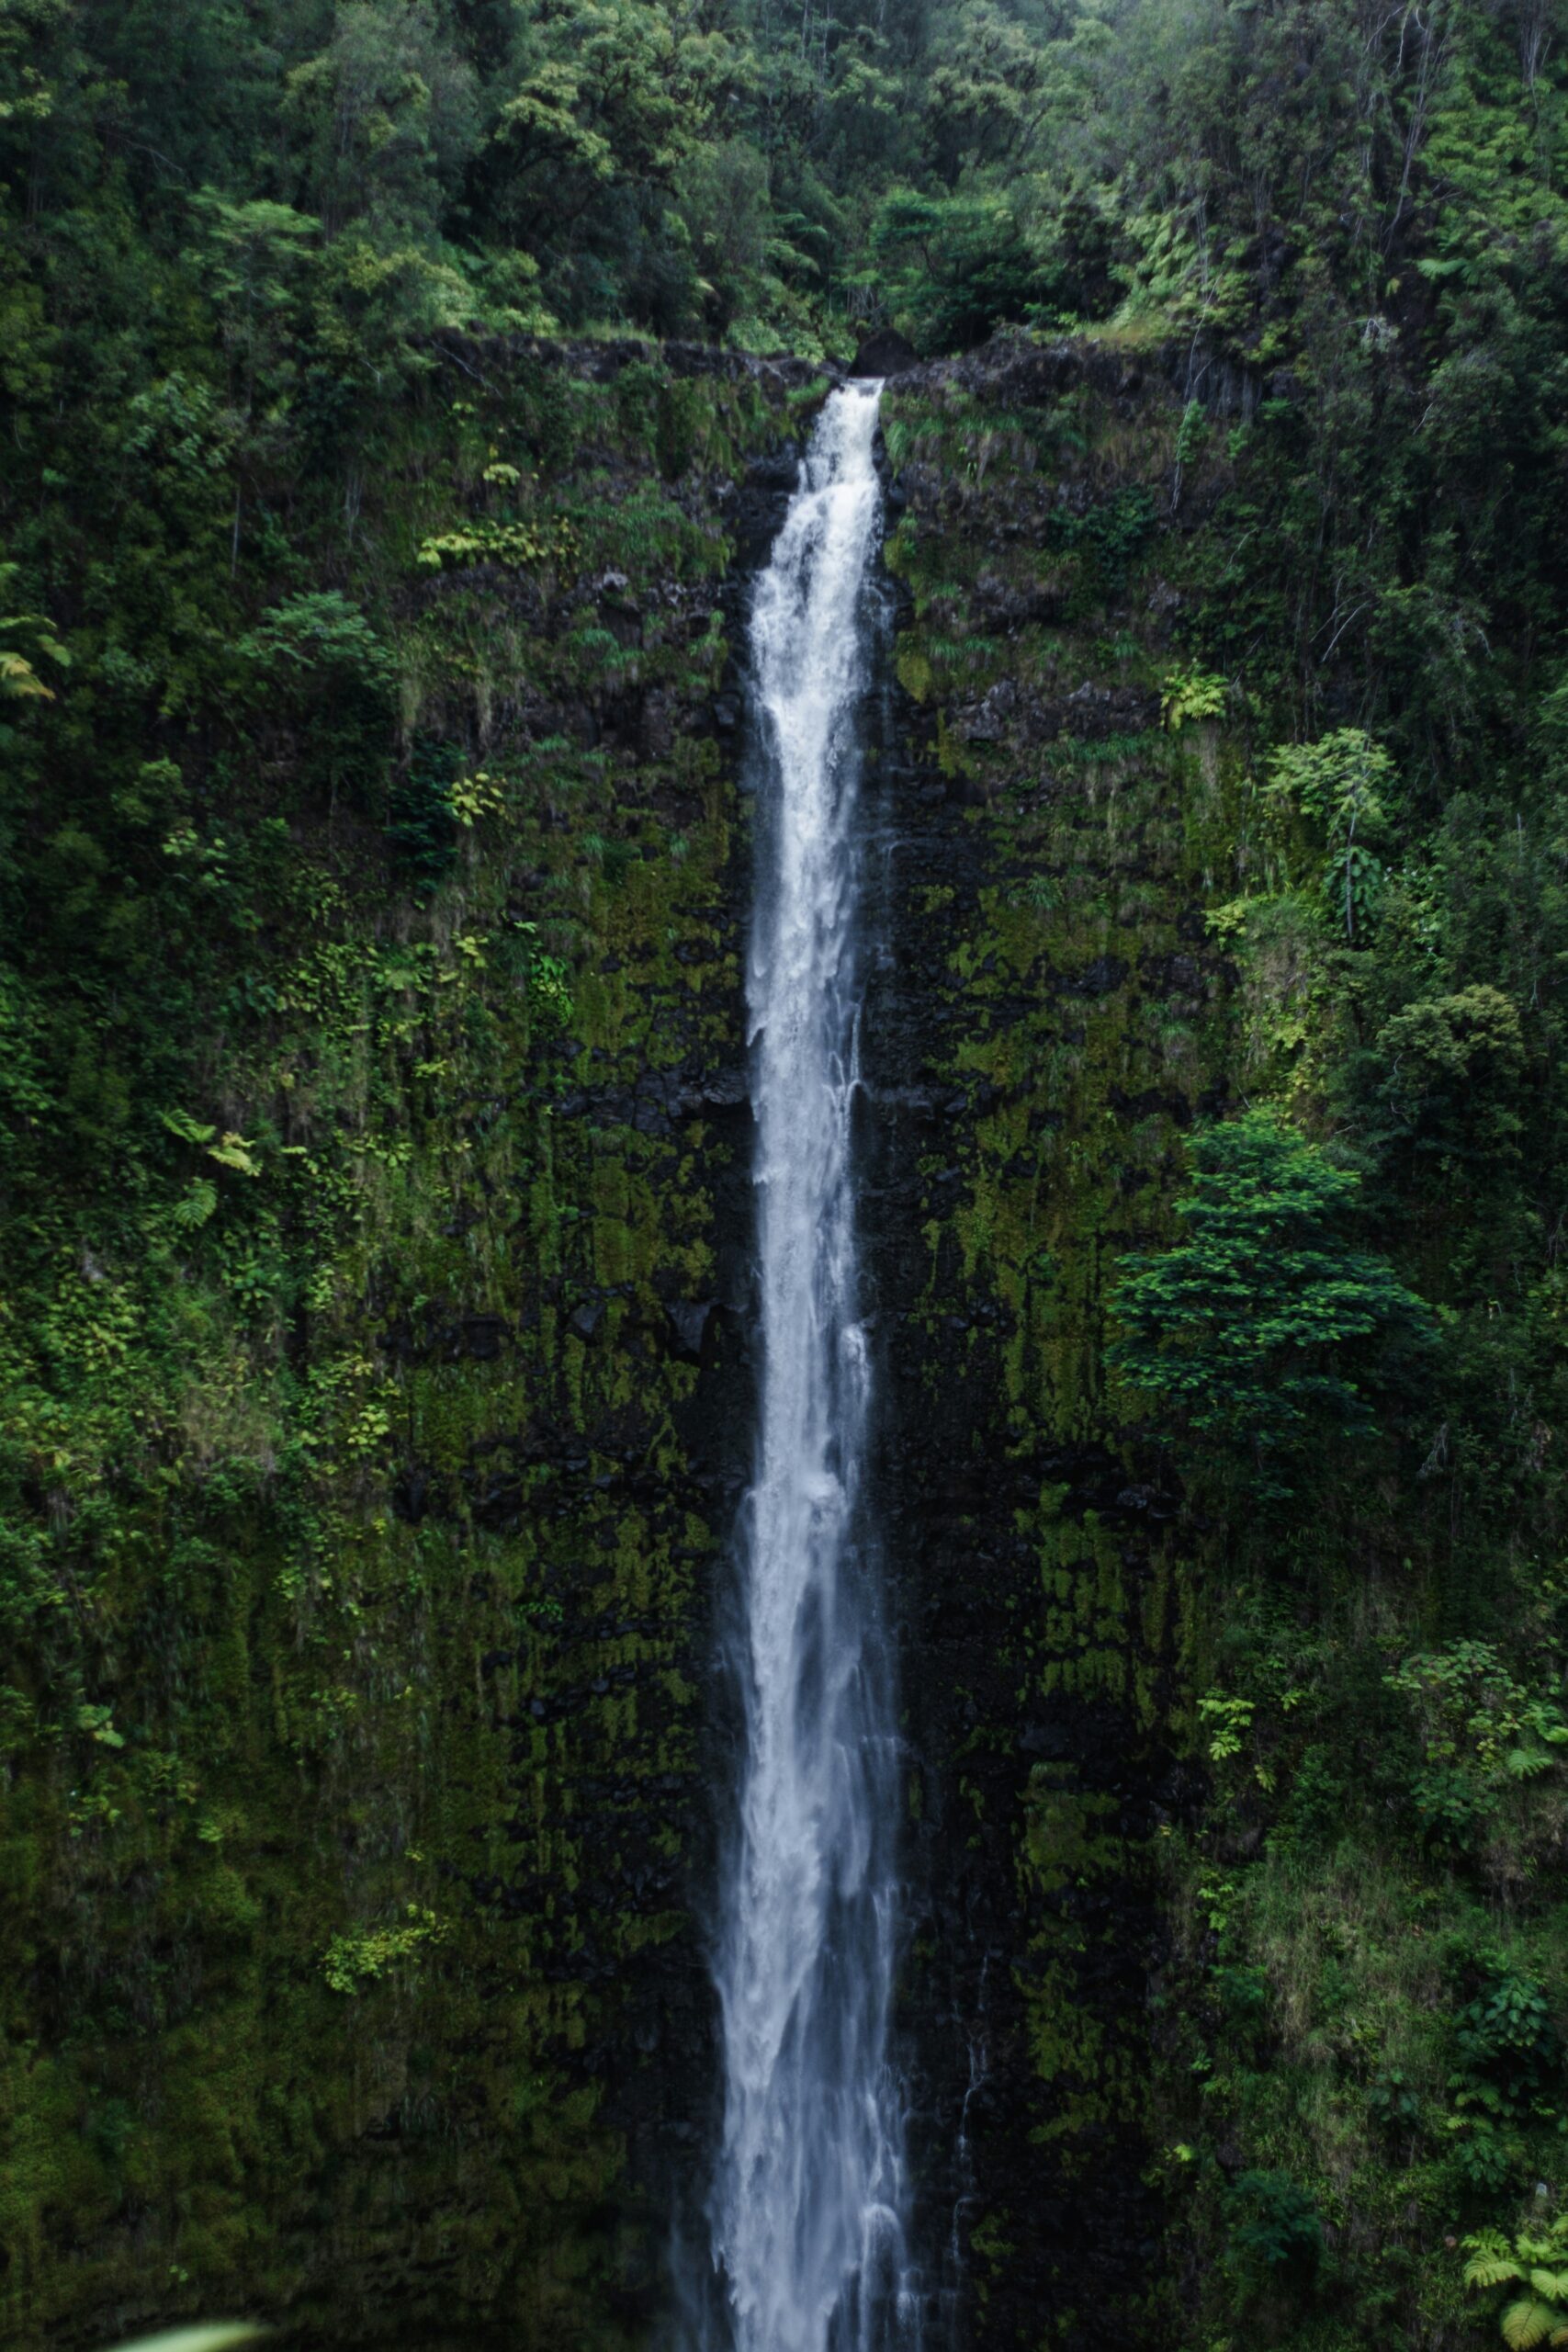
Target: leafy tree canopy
(1265,1323)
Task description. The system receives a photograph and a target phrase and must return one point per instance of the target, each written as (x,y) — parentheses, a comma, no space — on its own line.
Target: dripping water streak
(808,2194)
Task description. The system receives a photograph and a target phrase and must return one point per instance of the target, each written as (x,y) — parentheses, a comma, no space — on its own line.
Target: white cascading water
(807,2198)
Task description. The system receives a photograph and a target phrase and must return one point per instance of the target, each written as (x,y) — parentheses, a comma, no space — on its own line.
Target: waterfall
(808,2195)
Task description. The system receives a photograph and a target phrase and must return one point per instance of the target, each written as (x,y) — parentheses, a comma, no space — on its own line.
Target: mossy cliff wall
(1052,1017)
(381,1439)
(1236,1994)
(377,1430)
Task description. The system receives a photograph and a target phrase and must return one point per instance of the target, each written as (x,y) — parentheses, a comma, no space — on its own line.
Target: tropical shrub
(1265,1323)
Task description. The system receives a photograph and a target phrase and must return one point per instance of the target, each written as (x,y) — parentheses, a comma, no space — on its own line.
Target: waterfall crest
(809,2190)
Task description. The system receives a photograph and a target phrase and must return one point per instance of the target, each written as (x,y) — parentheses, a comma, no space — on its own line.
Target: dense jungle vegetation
(302,949)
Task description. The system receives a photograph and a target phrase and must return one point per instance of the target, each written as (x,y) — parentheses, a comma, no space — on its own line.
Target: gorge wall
(1051,1017)
(359,1822)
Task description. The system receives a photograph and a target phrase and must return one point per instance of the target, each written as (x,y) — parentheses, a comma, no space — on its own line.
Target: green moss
(299,1801)
(1080,1055)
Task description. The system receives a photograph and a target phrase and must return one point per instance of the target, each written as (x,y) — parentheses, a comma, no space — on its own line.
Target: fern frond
(20,682)
(196,1206)
(1491,2268)
(233,1152)
(1527,2322)
(190,1130)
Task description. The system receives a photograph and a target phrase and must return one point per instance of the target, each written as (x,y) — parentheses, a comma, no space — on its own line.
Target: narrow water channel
(808,2197)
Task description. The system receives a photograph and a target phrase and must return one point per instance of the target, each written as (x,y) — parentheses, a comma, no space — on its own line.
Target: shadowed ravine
(807,2198)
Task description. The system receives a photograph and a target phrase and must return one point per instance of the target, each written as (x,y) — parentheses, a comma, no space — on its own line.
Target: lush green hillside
(373,872)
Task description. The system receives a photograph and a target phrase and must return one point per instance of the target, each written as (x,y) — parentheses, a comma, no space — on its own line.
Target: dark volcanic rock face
(885,352)
(1036,1032)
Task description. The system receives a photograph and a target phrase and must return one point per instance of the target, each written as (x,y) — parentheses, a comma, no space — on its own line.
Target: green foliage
(512,544)
(1275,2229)
(316,659)
(19,678)
(1481,1732)
(549,989)
(317,632)
(1253,1329)
(955,266)
(1508,2044)
(1336,234)
(351,1962)
(1111,535)
(1453,1062)
(1524,2274)
(1393,2105)
(422,819)
(252,259)
(1190,694)
(1340,785)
